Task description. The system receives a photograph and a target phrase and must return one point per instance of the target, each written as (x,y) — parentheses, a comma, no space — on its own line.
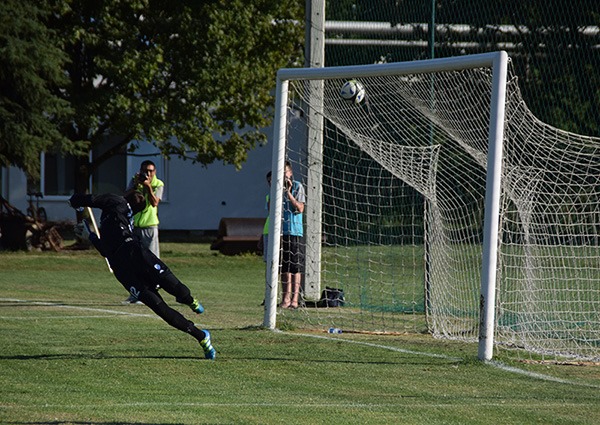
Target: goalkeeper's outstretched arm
(80,201)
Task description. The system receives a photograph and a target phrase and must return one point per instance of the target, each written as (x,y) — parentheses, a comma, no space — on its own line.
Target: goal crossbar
(482,60)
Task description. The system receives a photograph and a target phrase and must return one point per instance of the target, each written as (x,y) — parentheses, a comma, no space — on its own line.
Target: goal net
(396,209)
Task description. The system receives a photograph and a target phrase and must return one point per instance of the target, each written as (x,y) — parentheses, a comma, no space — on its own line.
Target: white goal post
(440,197)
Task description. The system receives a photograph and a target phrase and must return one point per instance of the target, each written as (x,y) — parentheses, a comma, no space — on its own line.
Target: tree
(193,77)
(30,67)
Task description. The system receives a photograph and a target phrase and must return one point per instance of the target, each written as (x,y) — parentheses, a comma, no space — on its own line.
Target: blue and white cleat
(209,352)
(197,307)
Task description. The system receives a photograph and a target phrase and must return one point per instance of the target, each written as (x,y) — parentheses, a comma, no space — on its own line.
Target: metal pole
(276,204)
(431,38)
(492,208)
(426,235)
(315,59)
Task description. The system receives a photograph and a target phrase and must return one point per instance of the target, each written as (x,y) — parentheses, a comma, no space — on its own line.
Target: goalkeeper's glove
(78,209)
(83,231)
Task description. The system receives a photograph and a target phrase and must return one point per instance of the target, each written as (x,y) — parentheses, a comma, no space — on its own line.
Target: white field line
(512,369)
(494,364)
(385,347)
(74,307)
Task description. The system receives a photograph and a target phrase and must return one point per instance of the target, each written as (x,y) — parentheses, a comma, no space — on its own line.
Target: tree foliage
(31,64)
(193,77)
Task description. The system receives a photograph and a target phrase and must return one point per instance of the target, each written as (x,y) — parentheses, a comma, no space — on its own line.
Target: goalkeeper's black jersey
(116,221)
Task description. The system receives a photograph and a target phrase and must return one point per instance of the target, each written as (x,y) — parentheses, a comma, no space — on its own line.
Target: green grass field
(71,353)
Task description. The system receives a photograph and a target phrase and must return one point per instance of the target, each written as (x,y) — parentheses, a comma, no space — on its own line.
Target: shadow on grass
(71,356)
(84,423)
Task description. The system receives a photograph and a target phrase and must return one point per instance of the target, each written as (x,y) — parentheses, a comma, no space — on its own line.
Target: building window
(58,175)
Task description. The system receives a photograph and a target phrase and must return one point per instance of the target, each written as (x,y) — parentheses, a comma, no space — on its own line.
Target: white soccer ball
(353,91)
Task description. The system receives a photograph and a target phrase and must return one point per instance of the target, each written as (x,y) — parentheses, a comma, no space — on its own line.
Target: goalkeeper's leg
(155,302)
(161,276)
(169,282)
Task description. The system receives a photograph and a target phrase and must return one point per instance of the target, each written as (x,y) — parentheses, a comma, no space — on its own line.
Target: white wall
(198,196)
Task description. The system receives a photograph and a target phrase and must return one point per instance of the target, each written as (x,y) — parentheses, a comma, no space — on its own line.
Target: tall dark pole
(431,40)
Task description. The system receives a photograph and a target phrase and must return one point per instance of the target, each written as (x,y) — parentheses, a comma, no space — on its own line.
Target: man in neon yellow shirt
(146,222)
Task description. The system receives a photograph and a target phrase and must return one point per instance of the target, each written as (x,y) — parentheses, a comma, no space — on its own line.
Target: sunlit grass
(72,353)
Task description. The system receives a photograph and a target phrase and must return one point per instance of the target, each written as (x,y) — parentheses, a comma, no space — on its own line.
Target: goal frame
(498,63)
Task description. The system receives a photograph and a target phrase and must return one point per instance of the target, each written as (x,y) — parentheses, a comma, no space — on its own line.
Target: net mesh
(403,188)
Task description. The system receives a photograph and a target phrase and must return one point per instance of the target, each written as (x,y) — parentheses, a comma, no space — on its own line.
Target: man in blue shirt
(294,198)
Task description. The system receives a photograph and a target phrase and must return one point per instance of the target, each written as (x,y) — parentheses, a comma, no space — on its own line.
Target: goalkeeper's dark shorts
(142,274)
(292,259)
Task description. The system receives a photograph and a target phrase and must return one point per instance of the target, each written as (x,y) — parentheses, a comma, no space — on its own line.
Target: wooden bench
(237,235)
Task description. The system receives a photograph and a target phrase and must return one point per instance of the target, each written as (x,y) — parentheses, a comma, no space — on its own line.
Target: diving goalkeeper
(140,271)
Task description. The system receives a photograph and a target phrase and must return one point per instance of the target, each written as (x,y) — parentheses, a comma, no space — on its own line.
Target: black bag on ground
(331,297)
